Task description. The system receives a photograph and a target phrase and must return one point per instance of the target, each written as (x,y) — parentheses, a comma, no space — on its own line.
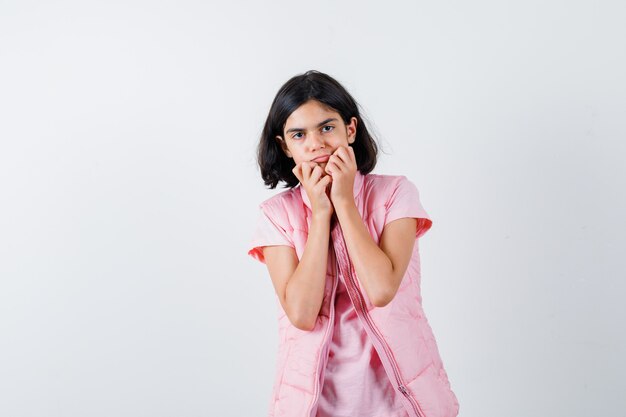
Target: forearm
(373,267)
(305,289)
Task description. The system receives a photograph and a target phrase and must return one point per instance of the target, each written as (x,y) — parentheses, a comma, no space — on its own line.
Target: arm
(300,284)
(380,269)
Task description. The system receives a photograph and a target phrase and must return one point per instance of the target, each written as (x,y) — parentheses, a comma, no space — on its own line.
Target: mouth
(323,158)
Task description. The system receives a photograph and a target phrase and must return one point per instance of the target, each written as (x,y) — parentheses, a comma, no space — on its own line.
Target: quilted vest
(399,331)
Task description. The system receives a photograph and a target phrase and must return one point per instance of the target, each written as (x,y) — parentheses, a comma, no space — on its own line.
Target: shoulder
(282,199)
(381,180)
(280,206)
(381,186)
(398,197)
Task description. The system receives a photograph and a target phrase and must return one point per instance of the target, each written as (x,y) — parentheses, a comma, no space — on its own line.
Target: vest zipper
(324,350)
(361,304)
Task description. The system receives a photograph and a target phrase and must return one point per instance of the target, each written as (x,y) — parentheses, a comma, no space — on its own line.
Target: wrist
(322,216)
(344,205)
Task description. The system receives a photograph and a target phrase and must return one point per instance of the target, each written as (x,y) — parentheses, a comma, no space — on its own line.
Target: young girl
(341,248)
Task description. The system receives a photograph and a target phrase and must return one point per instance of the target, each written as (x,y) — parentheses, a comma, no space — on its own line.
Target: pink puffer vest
(399,331)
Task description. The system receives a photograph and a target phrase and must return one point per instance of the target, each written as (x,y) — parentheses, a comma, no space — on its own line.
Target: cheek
(298,159)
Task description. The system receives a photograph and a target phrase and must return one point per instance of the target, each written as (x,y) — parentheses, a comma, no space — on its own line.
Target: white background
(129,191)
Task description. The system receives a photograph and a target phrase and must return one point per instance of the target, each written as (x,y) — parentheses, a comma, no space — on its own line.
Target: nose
(316,141)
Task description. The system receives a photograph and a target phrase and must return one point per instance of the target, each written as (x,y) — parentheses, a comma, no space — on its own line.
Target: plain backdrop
(129,191)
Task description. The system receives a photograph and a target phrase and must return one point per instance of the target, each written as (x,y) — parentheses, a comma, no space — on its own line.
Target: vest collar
(358,185)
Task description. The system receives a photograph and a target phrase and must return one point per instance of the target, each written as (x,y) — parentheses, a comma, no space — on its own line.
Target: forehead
(309,114)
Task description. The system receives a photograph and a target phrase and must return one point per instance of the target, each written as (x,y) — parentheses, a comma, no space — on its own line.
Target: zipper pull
(402,389)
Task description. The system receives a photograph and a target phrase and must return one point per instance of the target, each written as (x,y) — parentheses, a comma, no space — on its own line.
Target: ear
(351,128)
(283,146)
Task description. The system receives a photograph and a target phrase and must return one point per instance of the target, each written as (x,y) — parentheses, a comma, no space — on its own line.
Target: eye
(331,128)
(295,136)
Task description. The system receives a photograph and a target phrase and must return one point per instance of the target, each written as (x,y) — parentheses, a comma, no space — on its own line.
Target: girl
(341,249)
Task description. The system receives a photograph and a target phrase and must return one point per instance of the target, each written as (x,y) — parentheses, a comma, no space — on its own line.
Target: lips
(323,158)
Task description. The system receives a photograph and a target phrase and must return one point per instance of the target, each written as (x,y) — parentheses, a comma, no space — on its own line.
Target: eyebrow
(299,129)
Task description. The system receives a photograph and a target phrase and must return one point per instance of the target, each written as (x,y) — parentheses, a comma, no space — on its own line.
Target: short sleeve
(267,233)
(405,202)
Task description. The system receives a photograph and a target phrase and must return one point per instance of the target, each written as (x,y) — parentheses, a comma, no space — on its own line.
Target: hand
(315,183)
(342,167)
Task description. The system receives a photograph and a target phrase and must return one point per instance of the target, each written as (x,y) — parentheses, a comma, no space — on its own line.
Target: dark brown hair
(312,85)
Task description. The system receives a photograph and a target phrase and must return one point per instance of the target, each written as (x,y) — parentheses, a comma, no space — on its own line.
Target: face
(314,130)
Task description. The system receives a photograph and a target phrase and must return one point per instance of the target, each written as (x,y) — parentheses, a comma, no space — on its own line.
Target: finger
(337,163)
(297,171)
(324,182)
(352,154)
(351,161)
(341,152)
(332,168)
(310,175)
(306,171)
(316,173)
(344,154)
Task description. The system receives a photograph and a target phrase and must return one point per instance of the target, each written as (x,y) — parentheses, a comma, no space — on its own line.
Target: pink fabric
(399,332)
(355,382)
(401,201)
(267,234)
